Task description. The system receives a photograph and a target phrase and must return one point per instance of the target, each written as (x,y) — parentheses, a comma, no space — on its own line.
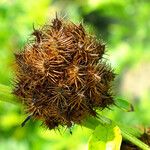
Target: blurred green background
(124,25)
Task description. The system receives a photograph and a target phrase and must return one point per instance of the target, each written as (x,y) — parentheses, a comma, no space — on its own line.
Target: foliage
(106,137)
(123,25)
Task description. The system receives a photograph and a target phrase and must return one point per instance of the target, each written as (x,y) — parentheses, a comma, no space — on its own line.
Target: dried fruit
(61,77)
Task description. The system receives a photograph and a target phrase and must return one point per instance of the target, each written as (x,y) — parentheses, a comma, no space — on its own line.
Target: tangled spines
(61,77)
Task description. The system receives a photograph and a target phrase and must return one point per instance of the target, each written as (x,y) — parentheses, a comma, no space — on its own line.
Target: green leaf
(105,137)
(90,122)
(124,105)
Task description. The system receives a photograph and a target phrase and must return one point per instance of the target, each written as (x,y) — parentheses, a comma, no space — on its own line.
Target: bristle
(60,77)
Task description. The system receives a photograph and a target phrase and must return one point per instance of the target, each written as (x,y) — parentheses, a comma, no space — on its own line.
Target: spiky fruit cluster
(61,78)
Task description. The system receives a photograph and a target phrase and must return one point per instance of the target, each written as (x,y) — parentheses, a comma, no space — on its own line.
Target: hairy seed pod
(61,77)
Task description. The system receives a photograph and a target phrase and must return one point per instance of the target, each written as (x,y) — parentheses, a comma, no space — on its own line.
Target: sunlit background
(124,25)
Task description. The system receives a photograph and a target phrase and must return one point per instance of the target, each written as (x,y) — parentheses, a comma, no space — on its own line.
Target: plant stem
(92,123)
(134,140)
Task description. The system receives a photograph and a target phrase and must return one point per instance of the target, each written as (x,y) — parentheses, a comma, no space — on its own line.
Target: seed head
(60,76)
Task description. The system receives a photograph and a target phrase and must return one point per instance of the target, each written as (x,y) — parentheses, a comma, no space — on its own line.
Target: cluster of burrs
(61,76)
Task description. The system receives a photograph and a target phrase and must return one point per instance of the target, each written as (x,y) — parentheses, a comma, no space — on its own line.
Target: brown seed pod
(61,78)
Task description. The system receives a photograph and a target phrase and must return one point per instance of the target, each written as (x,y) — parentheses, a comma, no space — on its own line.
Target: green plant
(81,106)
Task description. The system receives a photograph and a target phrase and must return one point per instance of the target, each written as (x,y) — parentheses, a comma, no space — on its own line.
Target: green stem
(134,140)
(92,123)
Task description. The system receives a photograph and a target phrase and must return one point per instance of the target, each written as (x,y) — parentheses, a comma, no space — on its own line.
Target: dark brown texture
(61,78)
